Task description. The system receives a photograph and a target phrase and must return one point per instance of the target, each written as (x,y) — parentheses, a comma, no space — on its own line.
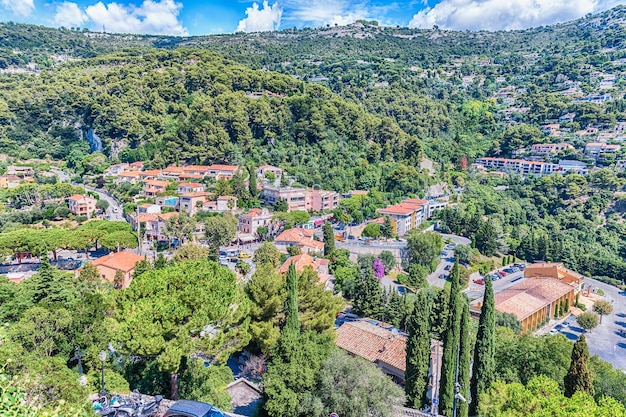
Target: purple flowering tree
(379,268)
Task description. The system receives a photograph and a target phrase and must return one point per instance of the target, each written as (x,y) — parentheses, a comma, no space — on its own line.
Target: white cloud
(328,12)
(68,15)
(261,20)
(156,17)
(19,7)
(505,15)
(152,17)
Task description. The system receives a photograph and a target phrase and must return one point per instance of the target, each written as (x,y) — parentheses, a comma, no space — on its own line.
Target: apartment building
(250,222)
(600,149)
(302,198)
(81,205)
(519,166)
(550,148)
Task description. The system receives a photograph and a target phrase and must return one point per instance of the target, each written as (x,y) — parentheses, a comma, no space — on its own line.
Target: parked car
(479,281)
(448,267)
(244,255)
(508,270)
(553,331)
(187,408)
(344,318)
(502,273)
(566,324)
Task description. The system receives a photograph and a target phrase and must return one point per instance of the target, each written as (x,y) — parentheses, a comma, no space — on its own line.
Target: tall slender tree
(451,342)
(418,352)
(329,239)
(367,294)
(483,370)
(578,378)
(464,356)
(292,324)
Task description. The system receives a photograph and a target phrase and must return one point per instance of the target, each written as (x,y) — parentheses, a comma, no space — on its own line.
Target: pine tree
(450,345)
(292,324)
(367,294)
(578,378)
(418,353)
(386,230)
(50,285)
(329,239)
(464,357)
(483,370)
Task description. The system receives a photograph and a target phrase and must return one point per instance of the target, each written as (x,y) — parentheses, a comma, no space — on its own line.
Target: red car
(502,273)
(479,281)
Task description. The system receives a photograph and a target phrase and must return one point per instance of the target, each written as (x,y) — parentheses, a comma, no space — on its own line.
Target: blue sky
(195,17)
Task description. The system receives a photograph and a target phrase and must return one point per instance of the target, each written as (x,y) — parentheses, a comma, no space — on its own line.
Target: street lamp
(103,357)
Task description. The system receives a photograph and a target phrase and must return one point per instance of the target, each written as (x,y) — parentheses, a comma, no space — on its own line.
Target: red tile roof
(124,261)
(294,235)
(372,343)
(530,296)
(76,197)
(218,167)
(301,261)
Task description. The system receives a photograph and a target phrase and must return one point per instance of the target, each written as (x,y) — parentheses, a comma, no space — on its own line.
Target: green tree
(206,383)
(220,230)
(578,378)
(267,253)
(389,261)
(49,285)
(465,351)
(179,228)
(424,248)
(191,252)
(463,253)
(588,320)
(292,324)
(386,230)
(329,238)
(243,267)
(543,397)
(351,386)
(486,239)
(102,204)
(119,240)
(418,352)
(371,230)
(451,343)
(266,291)
(281,206)
(367,294)
(171,313)
(483,368)
(603,308)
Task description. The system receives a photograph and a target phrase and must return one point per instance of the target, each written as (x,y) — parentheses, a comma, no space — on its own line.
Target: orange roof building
(379,344)
(302,238)
(123,261)
(555,270)
(533,301)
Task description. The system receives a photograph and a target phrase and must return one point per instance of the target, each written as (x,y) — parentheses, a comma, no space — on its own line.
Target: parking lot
(606,340)
(476,289)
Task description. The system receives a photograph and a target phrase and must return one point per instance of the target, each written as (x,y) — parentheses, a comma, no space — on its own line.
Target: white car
(553,332)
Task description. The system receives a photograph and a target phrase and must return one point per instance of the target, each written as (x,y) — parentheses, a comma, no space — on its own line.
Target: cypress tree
(292,324)
(578,378)
(329,239)
(483,370)
(254,193)
(464,356)
(418,353)
(367,294)
(450,345)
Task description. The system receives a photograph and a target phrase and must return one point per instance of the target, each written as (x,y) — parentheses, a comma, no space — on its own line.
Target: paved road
(114,211)
(446,261)
(475,291)
(63,176)
(605,340)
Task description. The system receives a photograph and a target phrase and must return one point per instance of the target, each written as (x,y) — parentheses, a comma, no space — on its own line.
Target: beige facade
(81,205)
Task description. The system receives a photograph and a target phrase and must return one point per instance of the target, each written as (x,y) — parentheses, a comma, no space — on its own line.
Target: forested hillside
(194,106)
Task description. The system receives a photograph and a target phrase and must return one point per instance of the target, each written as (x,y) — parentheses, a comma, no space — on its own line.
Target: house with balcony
(217,171)
(154,187)
(302,238)
(223,204)
(191,203)
(319,265)
(131,177)
(109,265)
(171,173)
(81,205)
(321,200)
(296,198)
(250,222)
(263,170)
(190,187)
(550,148)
